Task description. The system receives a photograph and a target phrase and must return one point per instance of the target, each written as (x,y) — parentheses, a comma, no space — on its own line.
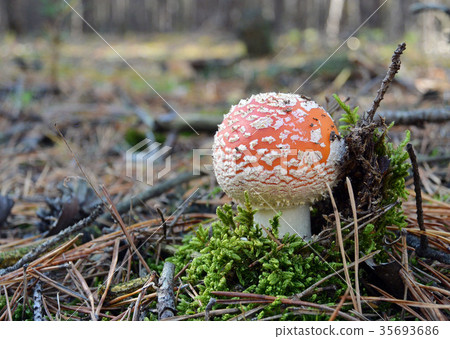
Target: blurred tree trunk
(88,11)
(353,14)
(14,16)
(279,15)
(334,20)
(76,23)
(434,40)
(394,19)
(311,12)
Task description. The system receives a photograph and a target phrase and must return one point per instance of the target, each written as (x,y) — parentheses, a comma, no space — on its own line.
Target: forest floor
(62,126)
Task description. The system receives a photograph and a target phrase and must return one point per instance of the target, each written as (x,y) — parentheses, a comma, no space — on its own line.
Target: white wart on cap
(281,148)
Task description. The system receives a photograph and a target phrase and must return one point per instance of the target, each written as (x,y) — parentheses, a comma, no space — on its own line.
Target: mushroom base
(293,220)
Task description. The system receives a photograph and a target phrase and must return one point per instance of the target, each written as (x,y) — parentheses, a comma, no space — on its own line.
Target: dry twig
(393,69)
(166,298)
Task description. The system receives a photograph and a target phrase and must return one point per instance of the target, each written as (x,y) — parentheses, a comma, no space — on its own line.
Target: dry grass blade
(407,302)
(57,285)
(49,257)
(442,278)
(14,300)
(202,314)
(78,163)
(434,289)
(341,247)
(86,290)
(112,269)
(339,306)
(355,221)
(119,300)
(25,290)
(122,302)
(248,313)
(44,303)
(418,294)
(182,271)
(405,307)
(141,296)
(118,218)
(310,289)
(8,307)
(251,298)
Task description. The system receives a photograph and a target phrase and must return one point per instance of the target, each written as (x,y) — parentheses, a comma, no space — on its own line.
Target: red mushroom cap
(281,148)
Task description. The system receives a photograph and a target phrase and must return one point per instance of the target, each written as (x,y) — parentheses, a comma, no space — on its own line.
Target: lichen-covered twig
(37,302)
(209,307)
(166,298)
(393,69)
(35,253)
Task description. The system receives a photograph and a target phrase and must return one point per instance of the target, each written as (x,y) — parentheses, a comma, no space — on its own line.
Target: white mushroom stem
(294,220)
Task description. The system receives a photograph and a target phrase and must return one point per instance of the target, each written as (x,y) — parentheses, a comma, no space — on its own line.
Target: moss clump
(17,312)
(377,170)
(237,255)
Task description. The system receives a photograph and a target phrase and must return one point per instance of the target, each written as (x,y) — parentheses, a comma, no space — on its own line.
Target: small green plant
(349,119)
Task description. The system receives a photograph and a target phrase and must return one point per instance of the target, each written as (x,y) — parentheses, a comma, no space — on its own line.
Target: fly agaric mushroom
(281,148)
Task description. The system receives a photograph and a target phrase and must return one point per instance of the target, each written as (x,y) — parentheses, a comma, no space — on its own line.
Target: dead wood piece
(142,114)
(131,287)
(6,204)
(34,254)
(209,123)
(423,237)
(418,7)
(429,253)
(166,298)
(37,302)
(201,122)
(416,117)
(209,307)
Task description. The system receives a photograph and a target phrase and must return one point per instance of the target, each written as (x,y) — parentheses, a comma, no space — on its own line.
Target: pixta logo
(142,158)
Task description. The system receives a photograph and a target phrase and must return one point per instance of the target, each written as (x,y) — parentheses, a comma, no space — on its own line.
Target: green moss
(17,314)
(394,189)
(349,118)
(133,136)
(236,255)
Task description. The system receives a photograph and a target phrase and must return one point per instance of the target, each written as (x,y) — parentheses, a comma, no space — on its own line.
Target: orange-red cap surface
(281,148)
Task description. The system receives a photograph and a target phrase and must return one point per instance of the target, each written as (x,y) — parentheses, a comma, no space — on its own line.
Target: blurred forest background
(155,16)
(160,60)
